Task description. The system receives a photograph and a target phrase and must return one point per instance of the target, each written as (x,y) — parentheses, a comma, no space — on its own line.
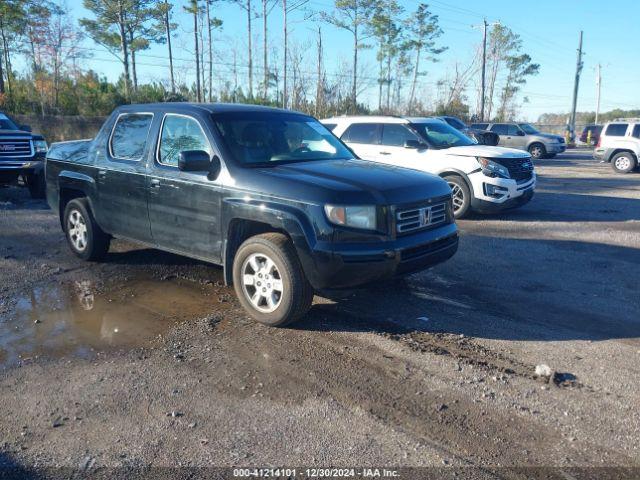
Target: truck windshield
(258,139)
(529,129)
(441,135)
(6,123)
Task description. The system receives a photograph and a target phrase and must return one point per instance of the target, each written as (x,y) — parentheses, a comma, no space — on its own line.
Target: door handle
(155,183)
(385,153)
(102,174)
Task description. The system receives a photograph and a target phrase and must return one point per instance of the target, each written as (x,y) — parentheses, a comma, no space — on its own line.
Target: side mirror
(25,128)
(416,144)
(194,161)
(214,168)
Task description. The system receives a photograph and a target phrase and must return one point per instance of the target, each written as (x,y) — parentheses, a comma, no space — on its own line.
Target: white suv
(619,144)
(482,178)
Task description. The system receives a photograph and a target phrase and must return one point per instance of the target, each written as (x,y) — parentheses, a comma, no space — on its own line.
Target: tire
(623,162)
(537,151)
(265,259)
(85,238)
(37,186)
(461,195)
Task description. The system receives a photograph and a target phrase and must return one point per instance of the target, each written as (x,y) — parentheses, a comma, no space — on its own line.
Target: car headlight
(40,146)
(357,216)
(493,169)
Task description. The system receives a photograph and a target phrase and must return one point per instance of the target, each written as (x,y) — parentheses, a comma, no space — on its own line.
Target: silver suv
(619,144)
(526,137)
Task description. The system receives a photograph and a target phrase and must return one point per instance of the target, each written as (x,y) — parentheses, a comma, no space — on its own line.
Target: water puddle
(76,319)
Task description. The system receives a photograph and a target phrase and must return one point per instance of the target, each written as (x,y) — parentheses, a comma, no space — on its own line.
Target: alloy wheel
(623,163)
(262,283)
(457,196)
(77,228)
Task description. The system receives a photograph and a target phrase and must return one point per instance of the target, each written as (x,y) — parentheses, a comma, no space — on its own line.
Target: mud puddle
(76,318)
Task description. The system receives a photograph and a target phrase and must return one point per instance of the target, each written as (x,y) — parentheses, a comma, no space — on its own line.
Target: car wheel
(537,151)
(86,239)
(269,280)
(461,195)
(37,186)
(623,162)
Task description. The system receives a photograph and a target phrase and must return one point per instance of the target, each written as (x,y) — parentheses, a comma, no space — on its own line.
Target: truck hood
(357,182)
(486,151)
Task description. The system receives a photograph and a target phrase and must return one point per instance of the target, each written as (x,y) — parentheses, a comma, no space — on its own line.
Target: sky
(549,31)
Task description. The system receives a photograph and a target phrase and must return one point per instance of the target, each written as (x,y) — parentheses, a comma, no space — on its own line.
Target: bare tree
(352,15)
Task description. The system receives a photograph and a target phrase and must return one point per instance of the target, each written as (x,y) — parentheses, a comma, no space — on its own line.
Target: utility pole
(284,71)
(483,81)
(579,65)
(484,67)
(598,84)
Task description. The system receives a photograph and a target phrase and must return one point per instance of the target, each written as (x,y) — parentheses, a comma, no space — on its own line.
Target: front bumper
(555,147)
(511,192)
(351,265)
(19,166)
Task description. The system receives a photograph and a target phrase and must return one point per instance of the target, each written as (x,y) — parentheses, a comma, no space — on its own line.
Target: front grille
(519,168)
(420,218)
(427,249)
(15,147)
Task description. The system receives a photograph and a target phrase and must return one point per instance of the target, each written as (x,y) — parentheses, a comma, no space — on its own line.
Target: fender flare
(288,219)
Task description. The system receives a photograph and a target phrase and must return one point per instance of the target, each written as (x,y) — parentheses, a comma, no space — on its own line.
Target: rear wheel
(85,237)
(623,162)
(537,151)
(269,280)
(461,195)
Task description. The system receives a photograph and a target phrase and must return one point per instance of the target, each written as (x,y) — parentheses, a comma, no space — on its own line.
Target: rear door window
(366,133)
(616,129)
(129,136)
(636,131)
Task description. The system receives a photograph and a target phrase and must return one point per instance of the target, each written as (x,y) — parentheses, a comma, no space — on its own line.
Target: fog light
(494,190)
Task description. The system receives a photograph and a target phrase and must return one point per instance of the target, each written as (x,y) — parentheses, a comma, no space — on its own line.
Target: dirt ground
(147,361)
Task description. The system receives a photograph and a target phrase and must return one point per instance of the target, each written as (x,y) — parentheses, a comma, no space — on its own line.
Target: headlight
(361,216)
(493,169)
(40,146)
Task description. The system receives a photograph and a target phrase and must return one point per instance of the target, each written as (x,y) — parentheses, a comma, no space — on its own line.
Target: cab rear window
(129,136)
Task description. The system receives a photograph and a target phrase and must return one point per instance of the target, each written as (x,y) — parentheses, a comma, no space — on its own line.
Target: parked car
(483,137)
(619,144)
(22,156)
(595,134)
(270,195)
(525,136)
(482,178)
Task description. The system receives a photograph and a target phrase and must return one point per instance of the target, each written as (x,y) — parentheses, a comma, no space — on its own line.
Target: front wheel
(537,151)
(269,280)
(623,162)
(85,237)
(461,195)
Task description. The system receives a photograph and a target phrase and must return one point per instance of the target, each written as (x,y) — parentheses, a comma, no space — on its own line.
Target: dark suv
(21,156)
(269,194)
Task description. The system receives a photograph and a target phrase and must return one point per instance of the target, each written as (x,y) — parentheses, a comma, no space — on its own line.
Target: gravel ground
(147,360)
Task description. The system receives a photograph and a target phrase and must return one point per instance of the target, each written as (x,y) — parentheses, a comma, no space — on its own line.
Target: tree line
(288,72)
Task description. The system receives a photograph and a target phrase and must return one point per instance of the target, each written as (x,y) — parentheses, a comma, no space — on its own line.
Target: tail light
(598,143)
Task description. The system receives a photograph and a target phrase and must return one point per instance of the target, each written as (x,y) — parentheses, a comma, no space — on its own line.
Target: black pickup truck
(22,155)
(271,195)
